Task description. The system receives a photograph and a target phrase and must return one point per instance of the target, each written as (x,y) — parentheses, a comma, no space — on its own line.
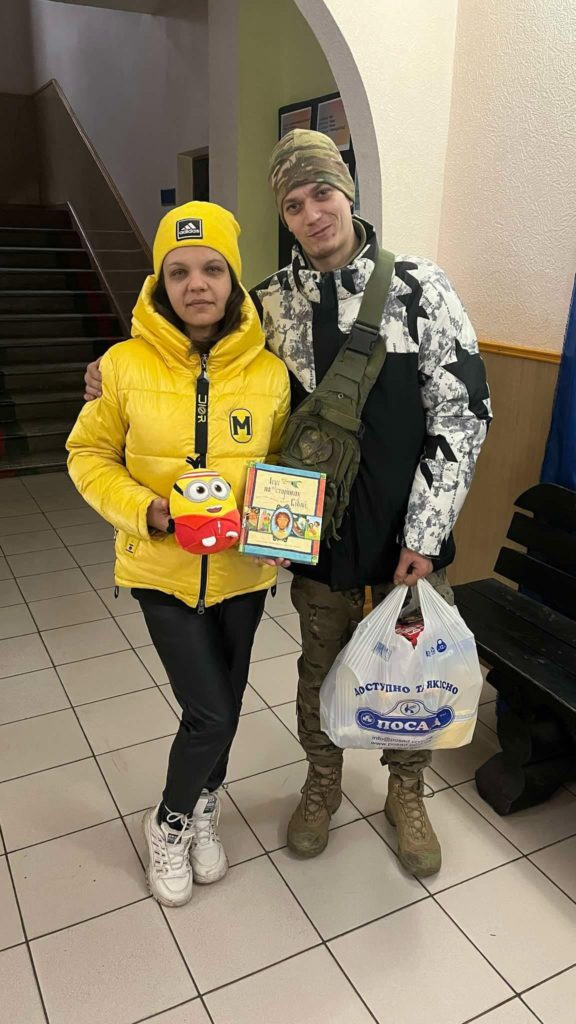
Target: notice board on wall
(323,114)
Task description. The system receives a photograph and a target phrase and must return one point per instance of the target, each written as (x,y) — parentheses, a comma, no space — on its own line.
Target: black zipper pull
(274,590)
(200,607)
(116,591)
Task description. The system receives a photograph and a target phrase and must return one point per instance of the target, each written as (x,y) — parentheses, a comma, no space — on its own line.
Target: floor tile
(356,880)
(246,922)
(107,969)
(276,995)
(10,925)
(498,911)
(554,1001)
(75,643)
(150,658)
(276,679)
(101,575)
(189,1013)
(533,828)
(488,694)
(251,702)
(92,554)
(291,623)
(571,786)
(267,802)
(23,524)
(137,775)
(76,877)
(16,621)
(403,942)
(35,562)
(9,593)
(365,780)
(281,603)
(22,543)
(106,676)
(487,715)
(469,844)
(513,1012)
(36,744)
(287,714)
(29,694)
(5,571)
(460,765)
(239,842)
(126,720)
(20,1000)
(53,584)
(284,575)
(81,516)
(261,743)
(135,629)
(49,804)
(559,862)
(68,611)
(16,657)
(124,604)
(87,534)
(271,641)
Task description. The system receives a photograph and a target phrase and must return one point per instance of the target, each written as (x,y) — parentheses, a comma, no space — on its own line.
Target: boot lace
(411,799)
(315,789)
(205,828)
(171,858)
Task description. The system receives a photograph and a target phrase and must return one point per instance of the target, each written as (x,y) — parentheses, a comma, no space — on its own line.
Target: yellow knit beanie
(198,224)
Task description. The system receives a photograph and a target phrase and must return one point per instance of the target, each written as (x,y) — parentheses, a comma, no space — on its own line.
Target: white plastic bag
(382,692)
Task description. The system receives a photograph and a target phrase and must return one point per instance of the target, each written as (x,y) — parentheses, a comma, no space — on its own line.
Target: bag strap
(346,385)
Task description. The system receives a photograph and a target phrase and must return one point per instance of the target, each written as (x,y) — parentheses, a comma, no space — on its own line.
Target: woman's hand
(283,563)
(158,515)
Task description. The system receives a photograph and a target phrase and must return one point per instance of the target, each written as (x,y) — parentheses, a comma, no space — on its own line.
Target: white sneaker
(169,873)
(209,862)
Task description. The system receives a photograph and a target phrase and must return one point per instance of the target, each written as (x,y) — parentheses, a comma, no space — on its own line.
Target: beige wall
(508,231)
(18,160)
(138,85)
(392,61)
(511,459)
(16,72)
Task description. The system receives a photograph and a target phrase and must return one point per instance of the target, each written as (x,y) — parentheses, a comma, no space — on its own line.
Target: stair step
(83,351)
(40,435)
(15,380)
(27,303)
(15,215)
(44,259)
(37,462)
(60,325)
(35,405)
(49,342)
(34,238)
(26,368)
(48,279)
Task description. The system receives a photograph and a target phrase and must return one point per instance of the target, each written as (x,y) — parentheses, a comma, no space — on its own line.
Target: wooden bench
(528,637)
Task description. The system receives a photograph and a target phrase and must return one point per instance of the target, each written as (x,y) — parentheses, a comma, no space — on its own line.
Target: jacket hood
(239,348)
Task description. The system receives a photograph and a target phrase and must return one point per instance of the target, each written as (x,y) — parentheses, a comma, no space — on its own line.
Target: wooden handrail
(502,348)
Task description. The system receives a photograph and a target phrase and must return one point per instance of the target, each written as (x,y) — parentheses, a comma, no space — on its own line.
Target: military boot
(418,847)
(321,798)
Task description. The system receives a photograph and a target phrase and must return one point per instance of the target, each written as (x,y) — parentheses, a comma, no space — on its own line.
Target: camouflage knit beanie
(303,157)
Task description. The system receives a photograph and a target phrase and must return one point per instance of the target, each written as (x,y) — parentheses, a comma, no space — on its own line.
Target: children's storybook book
(282,515)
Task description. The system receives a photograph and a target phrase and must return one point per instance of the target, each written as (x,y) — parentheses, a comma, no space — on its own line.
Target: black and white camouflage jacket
(425,419)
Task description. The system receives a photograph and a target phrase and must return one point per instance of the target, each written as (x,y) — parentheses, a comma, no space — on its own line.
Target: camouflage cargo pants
(328,619)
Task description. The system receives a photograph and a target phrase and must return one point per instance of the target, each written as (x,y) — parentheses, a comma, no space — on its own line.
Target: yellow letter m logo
(241,425)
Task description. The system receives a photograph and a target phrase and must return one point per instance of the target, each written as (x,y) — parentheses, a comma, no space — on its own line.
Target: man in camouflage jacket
(424,424)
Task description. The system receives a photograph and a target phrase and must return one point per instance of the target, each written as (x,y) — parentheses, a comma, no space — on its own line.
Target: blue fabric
(559,465)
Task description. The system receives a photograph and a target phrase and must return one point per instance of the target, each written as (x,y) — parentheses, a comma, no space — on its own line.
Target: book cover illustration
(282,515)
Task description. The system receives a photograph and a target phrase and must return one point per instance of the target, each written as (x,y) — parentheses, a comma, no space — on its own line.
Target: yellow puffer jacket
(130,446)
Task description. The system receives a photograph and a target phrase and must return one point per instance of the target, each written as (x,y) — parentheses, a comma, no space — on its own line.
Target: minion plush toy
(204,514)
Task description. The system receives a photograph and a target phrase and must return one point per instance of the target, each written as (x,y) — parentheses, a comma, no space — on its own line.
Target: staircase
(55,316)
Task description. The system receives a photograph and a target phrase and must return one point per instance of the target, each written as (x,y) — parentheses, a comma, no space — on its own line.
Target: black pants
(207,658)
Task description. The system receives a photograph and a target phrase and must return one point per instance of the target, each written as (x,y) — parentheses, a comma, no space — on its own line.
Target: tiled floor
(86,719)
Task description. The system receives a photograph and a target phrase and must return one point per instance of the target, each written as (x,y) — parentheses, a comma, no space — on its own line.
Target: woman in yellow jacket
(193,383)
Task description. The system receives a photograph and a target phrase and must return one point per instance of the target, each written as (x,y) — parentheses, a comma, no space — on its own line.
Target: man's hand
(281,562)
(93,381)
(412,567)
(158,515)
